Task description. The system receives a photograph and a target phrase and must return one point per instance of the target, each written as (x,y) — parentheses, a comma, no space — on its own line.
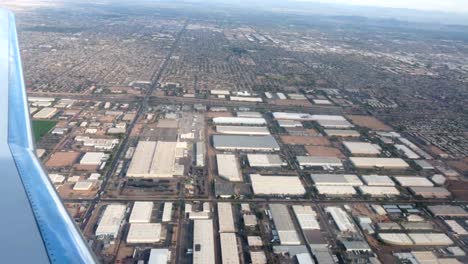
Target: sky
(458,6)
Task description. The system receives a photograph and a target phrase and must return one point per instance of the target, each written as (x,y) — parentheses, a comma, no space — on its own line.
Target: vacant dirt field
(62,159)
(369,122)
(324,151)
(301,140)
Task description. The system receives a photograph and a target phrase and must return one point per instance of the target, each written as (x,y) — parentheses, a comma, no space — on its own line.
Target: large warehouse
(341,219)
(447,210)
(377,180)
(284,225)
(379,191)
(264,160)
(228,167)
(45,113)
(243,130)
(406,181)
(239,121)
(153,160)
(430,192)
(229,251)
(203,242)
(306,217)
(361,148)
(141,212)
(225,218)
(341,133)
(335,190)
(110,222)
(317,161)
(336,179)
(143,233)
(276,185)
(247,143)
(386,163)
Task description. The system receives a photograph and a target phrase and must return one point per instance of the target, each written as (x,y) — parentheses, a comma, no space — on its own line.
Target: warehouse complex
(246,143)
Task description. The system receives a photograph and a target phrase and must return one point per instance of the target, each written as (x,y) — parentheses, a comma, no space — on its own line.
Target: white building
(225,218)
(385,163)
(239,121)
(228,167)
(361,148)
(141,212)
(111,220)
(144,233)
(203,242)
(229,251)
(167,212)
(93,158)
(306,217)
(276,185)
(264,160)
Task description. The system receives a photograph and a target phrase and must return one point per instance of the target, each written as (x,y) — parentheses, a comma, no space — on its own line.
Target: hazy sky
(459,6)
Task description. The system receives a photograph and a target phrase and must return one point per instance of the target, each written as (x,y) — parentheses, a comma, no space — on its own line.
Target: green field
(42,127)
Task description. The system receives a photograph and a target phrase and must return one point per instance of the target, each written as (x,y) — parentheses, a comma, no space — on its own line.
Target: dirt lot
(458,189)
(369,122)
(62,159)
(301,140)
(167,123)
(324,151)
(461,165)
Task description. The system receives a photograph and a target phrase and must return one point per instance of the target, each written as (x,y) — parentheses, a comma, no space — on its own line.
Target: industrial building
(416,239)
(292,116)
(243,130)
(276,185)
(154,160)
(379,191)
(93,158)
(361,148)
(203,242)
(335,123)
(239,121)
(385,163)
(247,143)
(246,99)
(83,186)
(341,219)
(141,212)
(258,257)
(143,233)
(318,161)
(167,212)
(111,220)
(430,192)
(229,251)
(407,151)
(306,217)
(254,241)
(159,256)
(341,133)
(225,218)
(335,190)
(377,180)
(46,113)
(250,220)
(336,179)
(289,123)
(228,167)
(284,225)
(447,211)
(249,114)
(406,181)
(264,160)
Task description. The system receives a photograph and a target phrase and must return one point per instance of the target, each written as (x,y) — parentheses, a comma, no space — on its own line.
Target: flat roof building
(306,217)
(111,220)
(361,148)
(154,160)
(430,192)
(264,160)
(93,158)
(247,143)
(249,114)
(243,130)
(141,212)
(225,218)
(83,186)
(385,163)
(239,121)
(143,233)
(276,185)
(228,167)
(335,190)
(45,113)
(159,256)
(229,251)
(377,180)
(447,210)
(341,133)
(379,191)
(341,219)
(167,212)
(203,242)
(284,225)
(406,181)
(335,123)
(336,179)
(318,161)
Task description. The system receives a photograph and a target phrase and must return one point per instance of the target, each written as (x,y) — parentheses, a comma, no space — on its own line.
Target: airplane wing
(35,226)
